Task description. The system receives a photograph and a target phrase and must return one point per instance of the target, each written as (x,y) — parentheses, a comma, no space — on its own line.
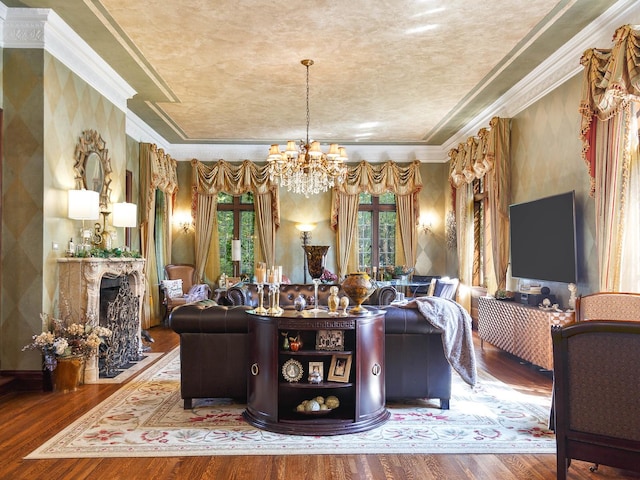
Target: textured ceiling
(386,71)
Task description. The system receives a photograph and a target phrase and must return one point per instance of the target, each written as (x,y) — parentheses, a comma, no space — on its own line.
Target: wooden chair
(608,306)
(596,392)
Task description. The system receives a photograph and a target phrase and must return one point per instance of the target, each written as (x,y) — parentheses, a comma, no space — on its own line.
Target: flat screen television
(543,239)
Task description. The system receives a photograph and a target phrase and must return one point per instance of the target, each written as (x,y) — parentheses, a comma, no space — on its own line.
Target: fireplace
(107,292)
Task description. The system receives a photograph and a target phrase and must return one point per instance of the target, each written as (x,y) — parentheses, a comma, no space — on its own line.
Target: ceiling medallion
(304,168)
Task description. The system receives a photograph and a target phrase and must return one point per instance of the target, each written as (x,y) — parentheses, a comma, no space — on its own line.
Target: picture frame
(340,368)
(316,372)
(330,340)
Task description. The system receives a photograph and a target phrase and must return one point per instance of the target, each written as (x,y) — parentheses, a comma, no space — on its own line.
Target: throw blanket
(457,339)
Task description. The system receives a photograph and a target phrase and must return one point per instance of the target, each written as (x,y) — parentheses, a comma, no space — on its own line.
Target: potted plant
(65,348)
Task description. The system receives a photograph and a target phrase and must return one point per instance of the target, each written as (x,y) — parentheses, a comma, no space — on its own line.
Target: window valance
(611,80)
(158,172)
(377,179)
(225,177)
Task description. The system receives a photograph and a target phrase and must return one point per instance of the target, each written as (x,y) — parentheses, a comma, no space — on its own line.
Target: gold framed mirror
(93,166)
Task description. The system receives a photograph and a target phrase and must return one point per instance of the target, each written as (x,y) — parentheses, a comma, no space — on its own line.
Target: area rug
(145,418)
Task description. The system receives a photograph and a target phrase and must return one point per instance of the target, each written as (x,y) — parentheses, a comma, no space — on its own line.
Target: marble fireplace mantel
(79,290)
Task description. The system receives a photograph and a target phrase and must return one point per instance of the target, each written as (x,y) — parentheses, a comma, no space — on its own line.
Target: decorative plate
(292,370)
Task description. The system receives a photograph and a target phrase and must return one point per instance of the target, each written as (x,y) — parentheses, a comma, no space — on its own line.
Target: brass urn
(358,286)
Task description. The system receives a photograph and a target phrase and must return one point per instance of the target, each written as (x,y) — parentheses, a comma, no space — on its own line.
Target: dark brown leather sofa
(247,294)
(214,349)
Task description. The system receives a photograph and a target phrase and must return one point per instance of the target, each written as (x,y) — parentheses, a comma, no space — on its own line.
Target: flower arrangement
(401,270)
(328,277)
(62,340)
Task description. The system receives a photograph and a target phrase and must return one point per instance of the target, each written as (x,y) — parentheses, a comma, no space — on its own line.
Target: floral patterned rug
(145,418)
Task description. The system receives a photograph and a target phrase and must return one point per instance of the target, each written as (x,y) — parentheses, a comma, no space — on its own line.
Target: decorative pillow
(173,288)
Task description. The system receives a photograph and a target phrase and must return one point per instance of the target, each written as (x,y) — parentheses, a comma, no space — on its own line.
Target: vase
(316,255)
(358,286)
(67,375)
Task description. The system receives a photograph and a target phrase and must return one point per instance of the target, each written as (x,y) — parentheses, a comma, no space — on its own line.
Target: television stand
(521,330)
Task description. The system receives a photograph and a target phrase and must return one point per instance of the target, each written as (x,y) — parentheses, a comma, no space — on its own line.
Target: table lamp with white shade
(125,215)
(84,205)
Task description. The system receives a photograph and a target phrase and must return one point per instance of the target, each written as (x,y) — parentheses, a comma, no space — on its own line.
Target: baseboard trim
(21,381)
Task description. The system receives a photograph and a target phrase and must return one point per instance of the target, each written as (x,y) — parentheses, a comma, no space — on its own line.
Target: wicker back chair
(596,392)
(608,306)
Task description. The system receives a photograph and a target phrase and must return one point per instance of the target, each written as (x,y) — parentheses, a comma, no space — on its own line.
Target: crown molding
(42,28)
(357,153)
(137,129)
(553,72)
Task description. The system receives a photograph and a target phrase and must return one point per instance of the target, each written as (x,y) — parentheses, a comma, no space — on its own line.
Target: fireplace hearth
(107,292)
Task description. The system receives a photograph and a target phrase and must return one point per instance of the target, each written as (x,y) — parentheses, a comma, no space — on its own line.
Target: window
(236,219)
(376,231)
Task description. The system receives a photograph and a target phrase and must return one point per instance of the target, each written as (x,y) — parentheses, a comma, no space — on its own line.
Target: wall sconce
(426,225)
(84,205)
(183,221)
(305,235)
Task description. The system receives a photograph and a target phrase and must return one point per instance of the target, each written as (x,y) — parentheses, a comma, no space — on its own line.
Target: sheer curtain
(609,132)
(222,176)
(157,172)
(404,182)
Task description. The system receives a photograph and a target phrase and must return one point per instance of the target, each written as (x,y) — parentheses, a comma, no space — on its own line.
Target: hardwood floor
(27,419)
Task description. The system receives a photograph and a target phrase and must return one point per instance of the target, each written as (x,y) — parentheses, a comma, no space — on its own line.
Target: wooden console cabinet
(272,400)
(519,329)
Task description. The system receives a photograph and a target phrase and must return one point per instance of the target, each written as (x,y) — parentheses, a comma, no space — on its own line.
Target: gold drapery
(485,155)
(158,171)
(222,176)
(404,182)
(609,132)
(346,208)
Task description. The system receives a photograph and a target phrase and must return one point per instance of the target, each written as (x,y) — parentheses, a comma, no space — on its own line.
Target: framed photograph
(340,368)
(316,372)
(330,340)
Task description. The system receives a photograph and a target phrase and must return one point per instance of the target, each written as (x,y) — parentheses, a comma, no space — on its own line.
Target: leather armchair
(183,273)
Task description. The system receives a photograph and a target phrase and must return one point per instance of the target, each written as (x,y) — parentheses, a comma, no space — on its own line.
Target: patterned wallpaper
(46,109)
(546,160)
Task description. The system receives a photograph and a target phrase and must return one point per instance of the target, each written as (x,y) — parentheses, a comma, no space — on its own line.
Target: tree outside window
(236,220)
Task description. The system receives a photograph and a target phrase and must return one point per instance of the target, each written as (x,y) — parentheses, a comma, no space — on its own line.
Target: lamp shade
(305,227)
(84,205)
(125,215)
(236,251)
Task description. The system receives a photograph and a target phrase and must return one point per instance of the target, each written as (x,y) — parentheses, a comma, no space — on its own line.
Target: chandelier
(303,167)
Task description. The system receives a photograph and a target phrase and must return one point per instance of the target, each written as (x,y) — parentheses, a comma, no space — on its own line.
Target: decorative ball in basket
(359,286)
